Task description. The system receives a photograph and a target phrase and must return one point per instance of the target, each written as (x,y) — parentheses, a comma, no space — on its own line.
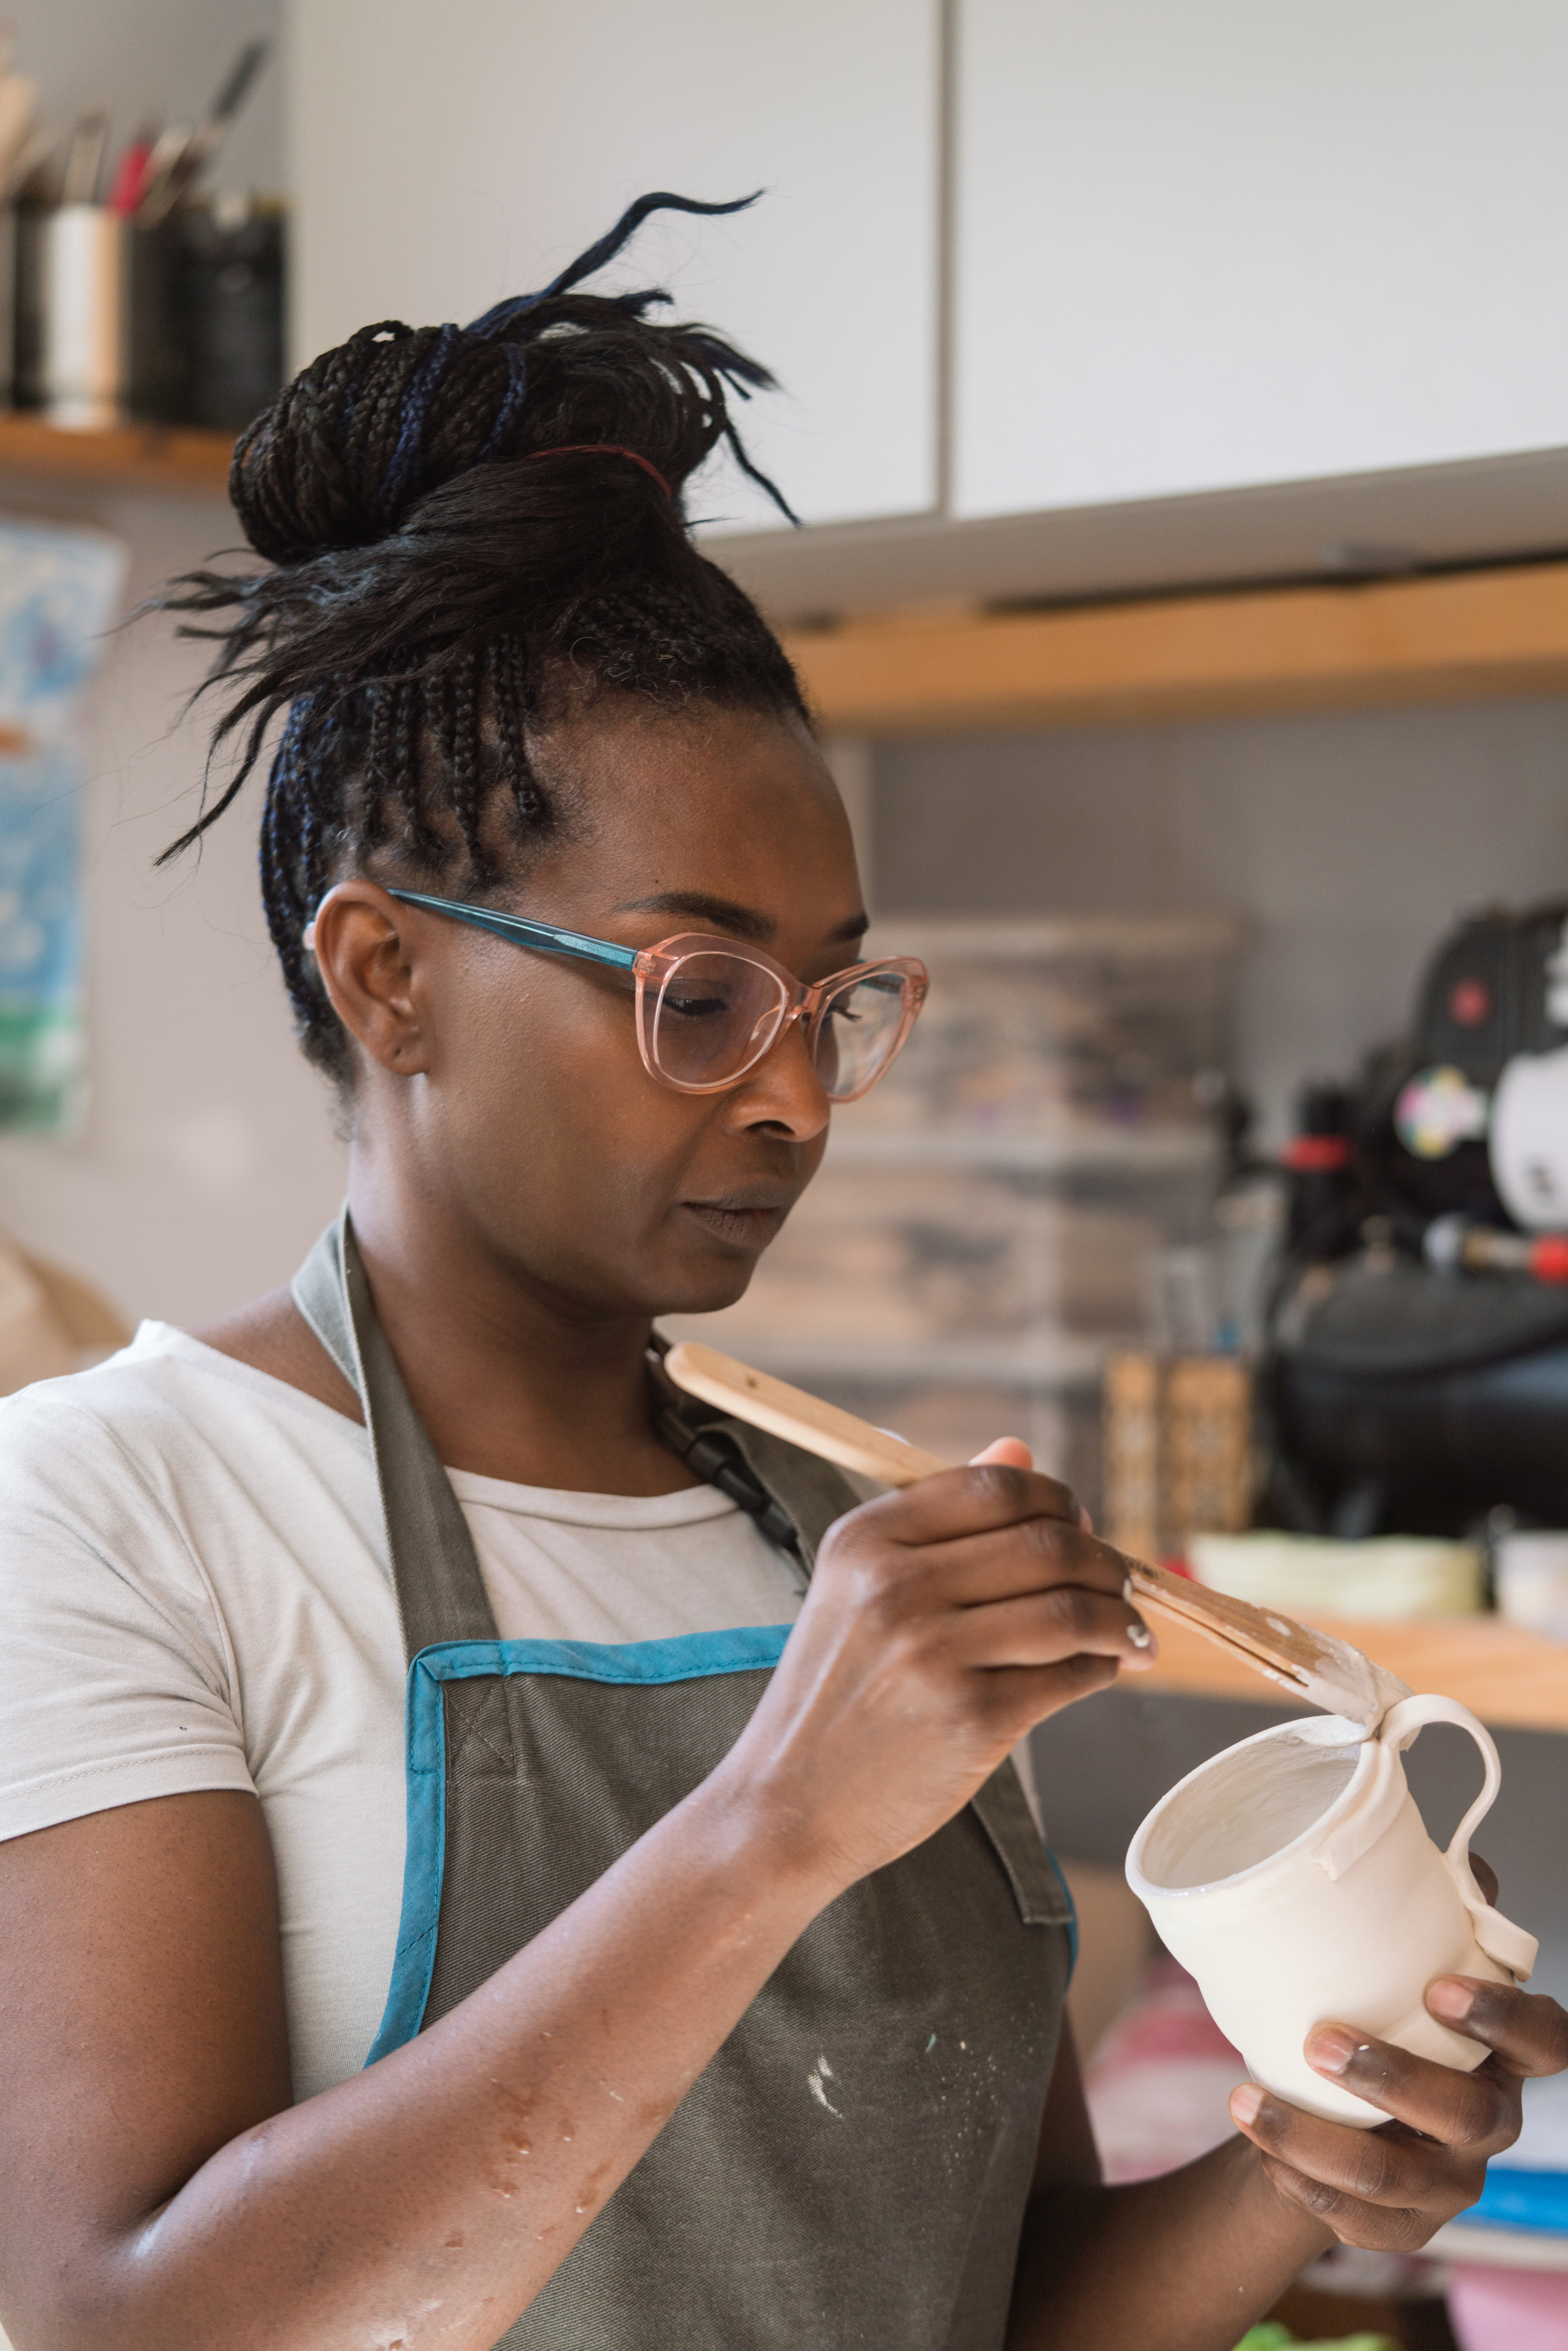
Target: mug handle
(1498,1938)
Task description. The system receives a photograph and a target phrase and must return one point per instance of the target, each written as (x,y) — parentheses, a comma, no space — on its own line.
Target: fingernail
(1245,2102)
(1126,1587)
(1139,1634)
(1452,1998)
(1330,2049)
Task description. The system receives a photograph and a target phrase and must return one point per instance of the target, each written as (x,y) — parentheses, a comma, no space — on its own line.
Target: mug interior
(1244,1807)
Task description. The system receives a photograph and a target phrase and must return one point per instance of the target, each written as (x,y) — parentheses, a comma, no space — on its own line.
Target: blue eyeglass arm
(548,937)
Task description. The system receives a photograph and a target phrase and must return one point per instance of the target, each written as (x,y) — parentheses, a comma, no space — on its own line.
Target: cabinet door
(1243,241)
(445,157)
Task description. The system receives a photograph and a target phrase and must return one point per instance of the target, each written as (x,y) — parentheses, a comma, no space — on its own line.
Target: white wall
(1347,842)
(208,1163)
(156,61)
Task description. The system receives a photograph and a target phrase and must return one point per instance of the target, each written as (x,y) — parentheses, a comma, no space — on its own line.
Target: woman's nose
(783,1092)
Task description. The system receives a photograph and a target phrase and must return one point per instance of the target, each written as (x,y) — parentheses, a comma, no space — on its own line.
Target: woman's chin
(705,1288)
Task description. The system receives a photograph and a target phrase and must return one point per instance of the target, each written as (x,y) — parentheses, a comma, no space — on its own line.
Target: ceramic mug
(1293,1877)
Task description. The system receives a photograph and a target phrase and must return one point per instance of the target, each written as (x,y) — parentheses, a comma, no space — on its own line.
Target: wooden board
(1501,1672)
(1455,636)
(131,457)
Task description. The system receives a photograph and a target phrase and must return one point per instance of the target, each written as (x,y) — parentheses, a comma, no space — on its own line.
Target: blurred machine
(1415,1375)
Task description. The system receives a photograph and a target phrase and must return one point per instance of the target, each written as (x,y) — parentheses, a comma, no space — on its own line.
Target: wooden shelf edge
(1455,636)
(1510,1677)
(129,456)
(1451,637)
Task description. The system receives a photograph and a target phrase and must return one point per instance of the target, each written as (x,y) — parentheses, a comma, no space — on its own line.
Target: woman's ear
(363,942)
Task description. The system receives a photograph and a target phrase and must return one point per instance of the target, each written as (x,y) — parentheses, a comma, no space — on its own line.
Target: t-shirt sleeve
(115,1681)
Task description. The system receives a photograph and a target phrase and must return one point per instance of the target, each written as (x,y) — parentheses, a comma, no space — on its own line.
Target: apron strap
(441,1593)
(793,1496)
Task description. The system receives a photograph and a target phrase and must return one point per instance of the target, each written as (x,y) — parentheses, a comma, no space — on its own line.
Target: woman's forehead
(619,752)
(731,805)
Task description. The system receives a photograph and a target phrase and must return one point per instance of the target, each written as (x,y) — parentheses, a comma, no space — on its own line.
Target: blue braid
(405,470)
(512,404)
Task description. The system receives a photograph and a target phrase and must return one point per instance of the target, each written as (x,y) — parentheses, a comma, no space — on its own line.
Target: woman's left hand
(1390,2187)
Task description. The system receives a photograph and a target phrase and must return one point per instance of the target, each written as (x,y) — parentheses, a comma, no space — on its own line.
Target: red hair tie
(608,449)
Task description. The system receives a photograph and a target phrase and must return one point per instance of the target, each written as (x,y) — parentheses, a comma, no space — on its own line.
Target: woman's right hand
(942,1622)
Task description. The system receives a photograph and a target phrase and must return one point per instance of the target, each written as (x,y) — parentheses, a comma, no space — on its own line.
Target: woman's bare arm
(159,2191)
(1208,2248)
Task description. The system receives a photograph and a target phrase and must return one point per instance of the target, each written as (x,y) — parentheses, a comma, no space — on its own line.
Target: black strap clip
(718,1461)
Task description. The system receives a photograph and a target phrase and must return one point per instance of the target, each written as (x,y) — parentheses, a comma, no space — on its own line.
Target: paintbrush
(168,177)
(1313,1665)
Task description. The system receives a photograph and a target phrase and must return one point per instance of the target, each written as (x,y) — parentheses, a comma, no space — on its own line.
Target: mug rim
(1147,1889)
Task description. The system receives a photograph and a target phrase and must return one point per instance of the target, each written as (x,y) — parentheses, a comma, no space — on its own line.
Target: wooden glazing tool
(1312,1666)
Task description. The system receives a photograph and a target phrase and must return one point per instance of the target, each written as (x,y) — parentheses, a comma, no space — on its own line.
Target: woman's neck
(510,1382)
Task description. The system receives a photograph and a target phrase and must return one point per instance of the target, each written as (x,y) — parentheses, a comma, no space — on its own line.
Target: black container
(207,296)
(23,233)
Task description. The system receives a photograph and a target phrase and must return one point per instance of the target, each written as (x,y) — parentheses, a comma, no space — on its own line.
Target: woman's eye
(696,1007)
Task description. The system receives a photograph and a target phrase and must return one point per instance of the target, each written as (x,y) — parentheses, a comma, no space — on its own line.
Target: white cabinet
(1236,241)
(1227,285)
(443,157)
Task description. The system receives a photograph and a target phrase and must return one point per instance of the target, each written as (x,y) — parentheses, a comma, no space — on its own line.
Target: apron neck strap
(708,1446)
(441,1593)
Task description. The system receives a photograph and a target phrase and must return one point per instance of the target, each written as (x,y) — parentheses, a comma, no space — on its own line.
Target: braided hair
(471,531)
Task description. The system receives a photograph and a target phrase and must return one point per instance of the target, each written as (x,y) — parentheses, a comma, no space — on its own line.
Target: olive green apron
(852,2166)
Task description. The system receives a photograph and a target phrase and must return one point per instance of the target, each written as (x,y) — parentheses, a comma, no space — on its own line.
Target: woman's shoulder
(166,1404)
(271,1335)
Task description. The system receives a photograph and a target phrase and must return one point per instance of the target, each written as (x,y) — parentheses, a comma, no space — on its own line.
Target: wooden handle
(837,1436)
(818,1427)
(804,1420)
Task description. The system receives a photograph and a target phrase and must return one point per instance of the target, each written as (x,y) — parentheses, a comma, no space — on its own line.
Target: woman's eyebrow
(725,915)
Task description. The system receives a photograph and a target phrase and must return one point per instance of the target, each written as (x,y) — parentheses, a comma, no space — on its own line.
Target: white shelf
(1149,1150)
(1050,1363)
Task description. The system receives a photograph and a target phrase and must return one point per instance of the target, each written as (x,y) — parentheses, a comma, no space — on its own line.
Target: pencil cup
(1295,1878)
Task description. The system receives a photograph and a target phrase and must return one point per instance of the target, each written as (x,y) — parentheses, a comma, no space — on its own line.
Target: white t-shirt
(195,1593)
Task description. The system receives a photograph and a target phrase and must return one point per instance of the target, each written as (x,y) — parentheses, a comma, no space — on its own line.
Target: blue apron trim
(1058,1873)
(687,1656)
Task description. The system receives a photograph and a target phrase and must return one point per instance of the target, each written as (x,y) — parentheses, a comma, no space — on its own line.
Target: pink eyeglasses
(708,1010)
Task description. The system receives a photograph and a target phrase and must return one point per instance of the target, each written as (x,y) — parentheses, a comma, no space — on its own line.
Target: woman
(720,2000)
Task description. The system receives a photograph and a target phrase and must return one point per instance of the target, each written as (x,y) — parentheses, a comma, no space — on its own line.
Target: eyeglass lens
(718,1014)
(860,1027)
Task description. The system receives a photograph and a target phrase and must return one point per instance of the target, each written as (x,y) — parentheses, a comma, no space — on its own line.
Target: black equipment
(1416,1371)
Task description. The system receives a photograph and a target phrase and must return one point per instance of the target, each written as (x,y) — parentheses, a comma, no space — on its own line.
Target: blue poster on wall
(59,592)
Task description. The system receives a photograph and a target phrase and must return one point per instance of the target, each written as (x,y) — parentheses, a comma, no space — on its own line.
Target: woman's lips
(742,1224)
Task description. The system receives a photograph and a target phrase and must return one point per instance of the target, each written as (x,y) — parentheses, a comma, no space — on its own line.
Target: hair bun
(369,429)
(336,459)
